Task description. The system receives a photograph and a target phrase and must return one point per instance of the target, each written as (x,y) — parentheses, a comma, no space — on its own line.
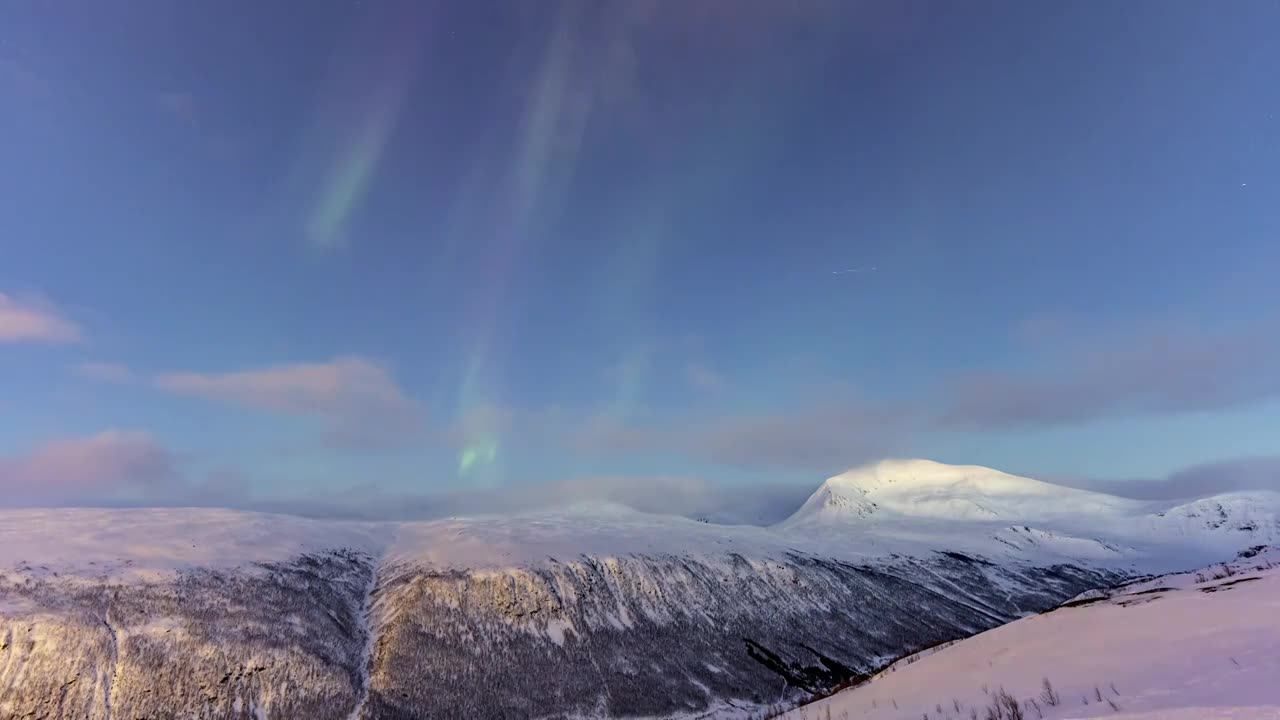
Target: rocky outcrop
(280,639)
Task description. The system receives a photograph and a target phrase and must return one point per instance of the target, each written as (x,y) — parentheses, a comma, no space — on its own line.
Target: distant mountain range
(591,611)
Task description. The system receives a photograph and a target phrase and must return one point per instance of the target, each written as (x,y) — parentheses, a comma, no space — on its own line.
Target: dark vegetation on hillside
(627,636)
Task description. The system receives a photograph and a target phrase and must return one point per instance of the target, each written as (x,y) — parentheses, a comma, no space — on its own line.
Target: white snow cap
(928,489)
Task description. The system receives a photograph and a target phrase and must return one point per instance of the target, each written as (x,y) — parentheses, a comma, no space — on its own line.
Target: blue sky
(249,254)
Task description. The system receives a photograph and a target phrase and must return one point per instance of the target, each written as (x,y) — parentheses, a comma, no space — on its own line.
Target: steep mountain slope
(1194,645)
(672,635)
(639,615)
(596,610)
(282,639)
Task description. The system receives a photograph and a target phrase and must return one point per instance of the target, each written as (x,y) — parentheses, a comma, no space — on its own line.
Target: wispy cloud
(109,372)
(114,468)
(701,377)
(1169,372)
(358,399)
(1077,377)
(688,496)
(1196,481)
(816,437)
(30,319)
(821,437)
(87,469)
(665,495)
(130,468)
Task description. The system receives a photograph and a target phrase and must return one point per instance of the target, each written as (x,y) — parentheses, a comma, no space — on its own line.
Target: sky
(371,256)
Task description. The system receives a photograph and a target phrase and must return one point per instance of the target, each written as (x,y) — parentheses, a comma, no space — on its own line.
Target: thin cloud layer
(1197,481)
(665,495)
(1152,373)
(88,470)
(126,468)
(816,437)
(692,497)
(703,378)
(358,399)
(1082,378)
(34,320)
(108,372)
(820,437)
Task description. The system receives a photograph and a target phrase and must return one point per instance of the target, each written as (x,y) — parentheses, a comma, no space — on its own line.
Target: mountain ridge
(903,506)
(221,613)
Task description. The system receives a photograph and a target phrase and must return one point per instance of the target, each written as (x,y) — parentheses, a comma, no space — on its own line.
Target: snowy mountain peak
(1255,513)
(910,500)
(899,474)
(928,489)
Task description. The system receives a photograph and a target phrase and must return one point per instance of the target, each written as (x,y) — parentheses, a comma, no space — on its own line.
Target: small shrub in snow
(1048,694)
(1004,707)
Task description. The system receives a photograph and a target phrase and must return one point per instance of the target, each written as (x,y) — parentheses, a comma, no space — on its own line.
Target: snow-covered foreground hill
(1200,644)
(591,611)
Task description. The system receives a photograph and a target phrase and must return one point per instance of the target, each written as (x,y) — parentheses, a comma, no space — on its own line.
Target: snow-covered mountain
(595,610)
(923,489)
(1228,515)
(920,503)
(1190,645)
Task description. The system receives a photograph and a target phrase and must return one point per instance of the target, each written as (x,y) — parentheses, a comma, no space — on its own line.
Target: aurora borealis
(384,249)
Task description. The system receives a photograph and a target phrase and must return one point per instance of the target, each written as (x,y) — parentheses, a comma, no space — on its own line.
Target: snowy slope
(1224,517)
(147,543)
(932,490)
(1190,645)
(909,505)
